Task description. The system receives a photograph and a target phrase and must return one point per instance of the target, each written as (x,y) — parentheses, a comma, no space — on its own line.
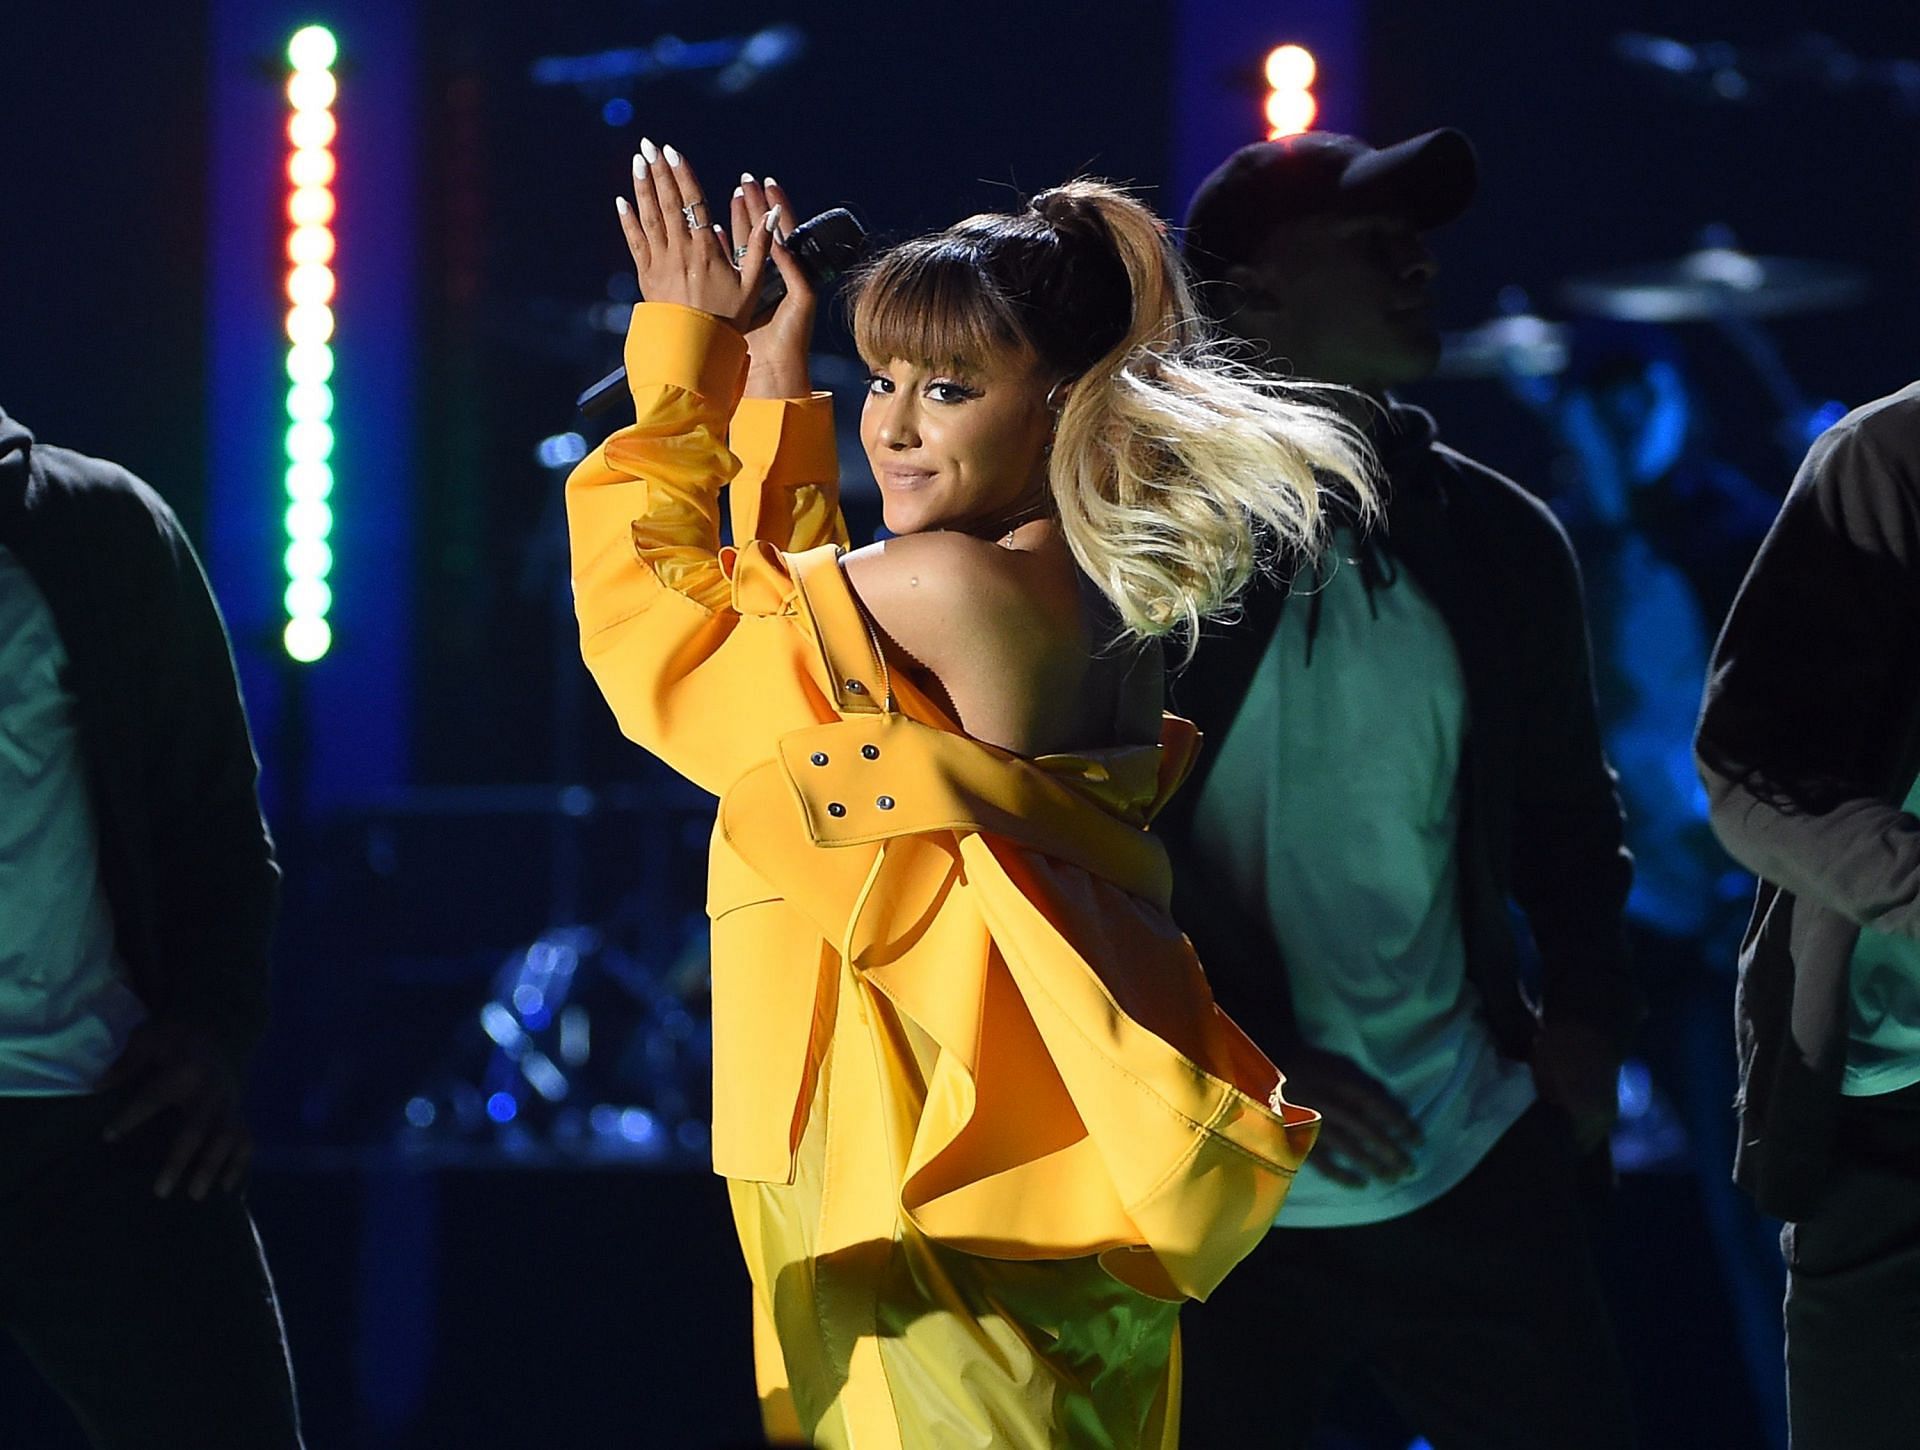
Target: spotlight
(1290,108)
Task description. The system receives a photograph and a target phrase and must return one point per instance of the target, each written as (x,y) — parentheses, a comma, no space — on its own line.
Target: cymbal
(1715,282)
(1517,343)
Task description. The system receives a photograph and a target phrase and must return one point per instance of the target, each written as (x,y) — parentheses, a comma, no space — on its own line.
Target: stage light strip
(311,127)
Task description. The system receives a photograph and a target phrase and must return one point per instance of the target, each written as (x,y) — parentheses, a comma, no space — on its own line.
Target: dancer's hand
(171,1066)
(1578,1072)
(1365,1132)
(677,246)
(777,348)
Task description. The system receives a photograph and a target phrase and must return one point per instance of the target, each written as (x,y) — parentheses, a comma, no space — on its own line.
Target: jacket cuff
(790,440)
(681,347)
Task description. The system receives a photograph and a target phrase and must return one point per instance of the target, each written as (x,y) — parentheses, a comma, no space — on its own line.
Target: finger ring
(739,254)
(687,211)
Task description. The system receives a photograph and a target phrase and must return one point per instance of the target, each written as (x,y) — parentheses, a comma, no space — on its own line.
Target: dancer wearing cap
(1404,745)
(1809,746)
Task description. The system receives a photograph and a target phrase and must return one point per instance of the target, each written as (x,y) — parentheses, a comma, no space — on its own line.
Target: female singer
(983,1126)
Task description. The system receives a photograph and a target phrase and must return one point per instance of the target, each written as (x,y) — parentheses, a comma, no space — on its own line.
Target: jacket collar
(16,470)
(1403,441)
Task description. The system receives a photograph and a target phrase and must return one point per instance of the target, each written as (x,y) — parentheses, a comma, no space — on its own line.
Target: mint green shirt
(1333,812)
(65,1007)
(1883,1036)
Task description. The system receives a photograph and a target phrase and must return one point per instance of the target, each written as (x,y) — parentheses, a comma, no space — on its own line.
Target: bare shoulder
(945,598)
(929,576)
(945,562)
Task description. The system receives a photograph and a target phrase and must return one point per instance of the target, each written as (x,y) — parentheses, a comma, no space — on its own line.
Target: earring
(1053,398)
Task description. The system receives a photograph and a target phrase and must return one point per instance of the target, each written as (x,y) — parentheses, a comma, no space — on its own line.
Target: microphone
(824,246)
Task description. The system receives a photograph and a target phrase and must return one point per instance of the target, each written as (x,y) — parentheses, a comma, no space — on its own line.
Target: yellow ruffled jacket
(953,1026)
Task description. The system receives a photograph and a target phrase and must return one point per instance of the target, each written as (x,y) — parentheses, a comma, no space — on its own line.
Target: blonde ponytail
(1175,469)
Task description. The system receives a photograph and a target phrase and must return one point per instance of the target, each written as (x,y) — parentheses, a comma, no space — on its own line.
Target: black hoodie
(184,853)
(1541,827)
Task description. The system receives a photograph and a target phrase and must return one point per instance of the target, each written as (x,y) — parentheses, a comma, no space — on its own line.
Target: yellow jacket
(1085,1095)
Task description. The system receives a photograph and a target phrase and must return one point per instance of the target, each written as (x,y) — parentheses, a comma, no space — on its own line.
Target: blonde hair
(1175,471)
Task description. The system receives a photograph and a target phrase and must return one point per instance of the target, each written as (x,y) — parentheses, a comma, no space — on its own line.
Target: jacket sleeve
(1570,869)
(1811,688)
(787,492)
(697,648)
(216,883)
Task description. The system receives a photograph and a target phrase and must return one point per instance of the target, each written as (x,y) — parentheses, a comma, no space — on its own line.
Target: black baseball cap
(1429,180)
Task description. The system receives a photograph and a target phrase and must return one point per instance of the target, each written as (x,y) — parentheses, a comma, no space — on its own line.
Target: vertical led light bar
(1291,106)
(310,286)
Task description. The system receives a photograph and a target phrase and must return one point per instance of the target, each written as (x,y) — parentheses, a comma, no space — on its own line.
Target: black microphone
(824,246)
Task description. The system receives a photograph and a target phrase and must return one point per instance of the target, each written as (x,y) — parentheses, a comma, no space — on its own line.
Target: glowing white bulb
(312,90)
(1290,112)
(308,597)
(309,402)
(309,441)
(309,480)
(309,362)
(310,283)
(1291,68)
(310,246)
(310,322)
(312,48)
(310,206)
(308,559)
(307,637)
(308,519)
(311,166)
(312,128)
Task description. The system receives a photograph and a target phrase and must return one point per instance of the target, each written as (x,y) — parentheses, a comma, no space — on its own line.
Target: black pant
(154,1318)
(1692,1054)
(1853,1287)
(1479,1316)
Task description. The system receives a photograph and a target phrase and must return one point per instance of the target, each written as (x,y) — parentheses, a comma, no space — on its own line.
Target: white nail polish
(773,217)
(648,152)
(738,192)
(769,181)
(673,157)
(620,205)
(746,178)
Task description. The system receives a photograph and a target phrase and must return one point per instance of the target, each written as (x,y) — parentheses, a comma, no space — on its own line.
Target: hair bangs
(929,302)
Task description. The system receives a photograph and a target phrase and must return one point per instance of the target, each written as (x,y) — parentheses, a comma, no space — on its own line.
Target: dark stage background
(565,1278)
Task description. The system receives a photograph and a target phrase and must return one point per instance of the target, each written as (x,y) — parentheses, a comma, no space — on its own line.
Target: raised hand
(678,251)
(777,348)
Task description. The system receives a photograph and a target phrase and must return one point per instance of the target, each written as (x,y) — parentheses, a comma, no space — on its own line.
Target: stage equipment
(1716,281)
(1290,106)
(1733,291)
(1517,345)
(824,246)
(1810,62)
(308,560)
(593,1040)
(736,62)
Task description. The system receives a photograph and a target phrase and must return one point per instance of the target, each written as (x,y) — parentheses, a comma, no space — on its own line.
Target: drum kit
(1717,285)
